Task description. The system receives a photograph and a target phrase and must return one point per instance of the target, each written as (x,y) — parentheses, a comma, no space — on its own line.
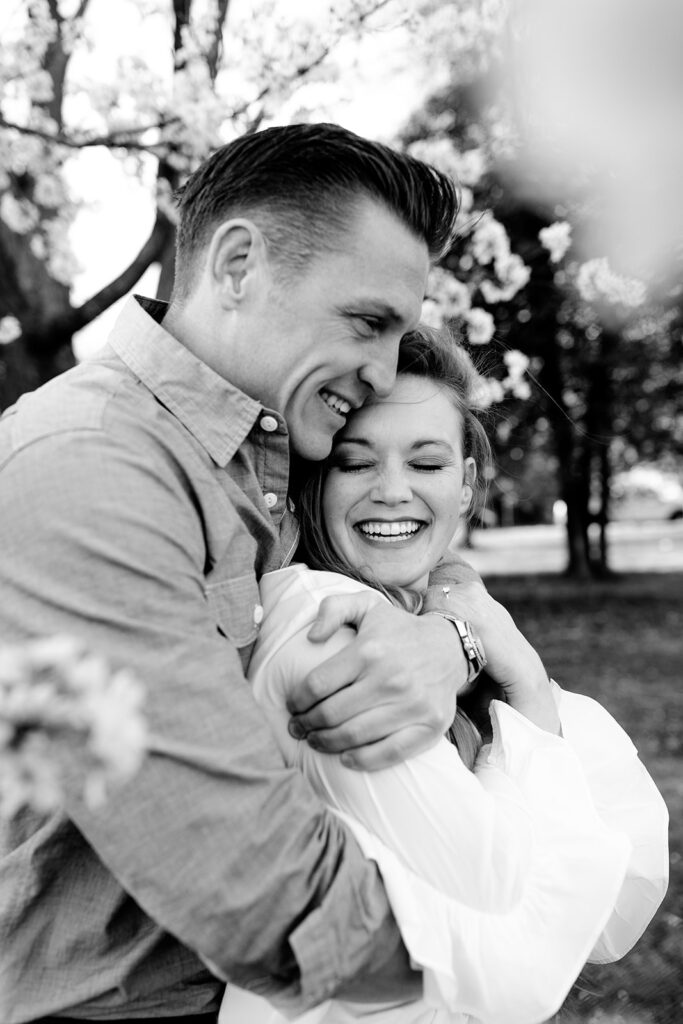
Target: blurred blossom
(64,716)
(20,215)
(472,165)
(517,362)
(595,92)
(513,275)
(596,282)
(489,240)
(440,153)
(487,391)
(432,314)
(556,239)
(451,295)
(10,330)
(480,326)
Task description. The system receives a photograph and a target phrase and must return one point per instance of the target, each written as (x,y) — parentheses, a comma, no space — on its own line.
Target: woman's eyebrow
(431,441)
(353,440)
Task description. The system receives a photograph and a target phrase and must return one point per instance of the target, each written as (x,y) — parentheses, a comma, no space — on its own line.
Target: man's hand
(389,694)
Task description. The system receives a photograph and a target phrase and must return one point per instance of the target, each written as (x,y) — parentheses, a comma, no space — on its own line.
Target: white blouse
(503,881)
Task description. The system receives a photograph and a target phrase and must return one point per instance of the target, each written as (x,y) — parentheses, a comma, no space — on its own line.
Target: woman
(507,864)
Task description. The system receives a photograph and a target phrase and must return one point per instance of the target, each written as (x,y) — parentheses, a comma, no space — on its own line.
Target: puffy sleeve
(501,880)
(628,801)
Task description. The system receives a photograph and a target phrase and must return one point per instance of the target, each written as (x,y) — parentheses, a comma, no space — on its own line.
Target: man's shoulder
(75,401)
(98,406)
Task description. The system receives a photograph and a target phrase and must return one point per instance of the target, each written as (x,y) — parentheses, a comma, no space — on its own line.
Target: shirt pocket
(235,606)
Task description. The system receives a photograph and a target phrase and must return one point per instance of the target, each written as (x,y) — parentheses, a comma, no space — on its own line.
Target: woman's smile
(376,531)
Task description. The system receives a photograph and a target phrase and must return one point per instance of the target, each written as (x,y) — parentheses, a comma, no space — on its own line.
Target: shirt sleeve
(627,800)
(219,842)
(501,880)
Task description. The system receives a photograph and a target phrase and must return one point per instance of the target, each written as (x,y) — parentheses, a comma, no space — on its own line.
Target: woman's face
(398,485)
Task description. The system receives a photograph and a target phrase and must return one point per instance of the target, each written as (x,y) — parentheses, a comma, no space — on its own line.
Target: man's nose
(379,372)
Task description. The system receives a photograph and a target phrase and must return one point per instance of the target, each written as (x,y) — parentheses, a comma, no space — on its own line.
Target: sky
(375,100)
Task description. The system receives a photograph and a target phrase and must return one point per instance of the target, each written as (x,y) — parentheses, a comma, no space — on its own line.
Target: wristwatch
(471,645)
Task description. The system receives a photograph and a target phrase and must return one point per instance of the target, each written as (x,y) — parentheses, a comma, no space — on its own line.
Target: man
(142,495)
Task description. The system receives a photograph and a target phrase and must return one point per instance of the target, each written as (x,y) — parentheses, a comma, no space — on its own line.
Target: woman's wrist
(535,701)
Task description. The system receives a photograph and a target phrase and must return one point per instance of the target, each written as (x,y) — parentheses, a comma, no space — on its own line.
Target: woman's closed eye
(352,465)
(427,466)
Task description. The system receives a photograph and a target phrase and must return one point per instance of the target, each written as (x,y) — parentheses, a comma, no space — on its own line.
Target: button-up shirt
(141,497)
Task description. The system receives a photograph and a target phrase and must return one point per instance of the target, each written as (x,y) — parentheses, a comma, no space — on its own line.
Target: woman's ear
(236,261)
(470,476)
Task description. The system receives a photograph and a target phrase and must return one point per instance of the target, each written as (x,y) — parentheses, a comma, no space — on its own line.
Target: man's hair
(299,183)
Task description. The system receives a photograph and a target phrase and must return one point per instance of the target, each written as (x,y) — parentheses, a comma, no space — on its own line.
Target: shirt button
(258,614)
(269,424)
(271,499)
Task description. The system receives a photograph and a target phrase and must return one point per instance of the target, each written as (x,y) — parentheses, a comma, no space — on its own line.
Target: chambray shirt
(141,497)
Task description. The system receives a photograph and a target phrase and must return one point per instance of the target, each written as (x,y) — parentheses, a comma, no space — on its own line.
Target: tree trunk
(599,433)
(564,433)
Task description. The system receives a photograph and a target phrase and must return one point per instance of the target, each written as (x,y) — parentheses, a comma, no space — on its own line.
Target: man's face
(322,344)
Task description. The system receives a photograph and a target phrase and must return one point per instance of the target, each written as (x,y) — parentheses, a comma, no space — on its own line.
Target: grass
(620,642)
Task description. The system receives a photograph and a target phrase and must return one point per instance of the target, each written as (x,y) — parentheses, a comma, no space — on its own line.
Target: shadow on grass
(620,641)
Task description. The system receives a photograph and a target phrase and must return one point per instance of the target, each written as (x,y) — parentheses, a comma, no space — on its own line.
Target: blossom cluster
(597,282)
(10,330)
(67,723)
(556,238)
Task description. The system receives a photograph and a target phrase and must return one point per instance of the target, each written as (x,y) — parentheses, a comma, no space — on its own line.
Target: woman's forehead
(418,407)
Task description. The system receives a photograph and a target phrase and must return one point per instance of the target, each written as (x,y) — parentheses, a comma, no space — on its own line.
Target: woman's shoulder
(298,580)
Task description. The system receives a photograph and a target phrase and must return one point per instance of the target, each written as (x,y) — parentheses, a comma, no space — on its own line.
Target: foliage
(595,345)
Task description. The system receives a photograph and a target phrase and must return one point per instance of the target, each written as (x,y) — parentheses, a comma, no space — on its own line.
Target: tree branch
(306,68)
(150,253)
(115,140)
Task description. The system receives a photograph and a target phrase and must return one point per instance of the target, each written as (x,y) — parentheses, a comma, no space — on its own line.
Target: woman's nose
(392,487)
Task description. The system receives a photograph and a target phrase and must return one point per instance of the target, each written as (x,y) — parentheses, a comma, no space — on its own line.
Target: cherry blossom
(67,723)
(556,238)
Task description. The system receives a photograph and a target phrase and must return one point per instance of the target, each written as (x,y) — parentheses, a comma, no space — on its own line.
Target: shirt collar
(217,413)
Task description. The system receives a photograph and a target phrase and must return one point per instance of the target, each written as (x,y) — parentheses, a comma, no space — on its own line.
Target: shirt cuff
(352,933)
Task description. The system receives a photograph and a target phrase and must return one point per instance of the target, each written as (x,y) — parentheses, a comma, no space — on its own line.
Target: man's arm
(215,839)
(409,670)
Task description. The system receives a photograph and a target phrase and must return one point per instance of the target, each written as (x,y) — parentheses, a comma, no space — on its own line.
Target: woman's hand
(388,695)
(512,662)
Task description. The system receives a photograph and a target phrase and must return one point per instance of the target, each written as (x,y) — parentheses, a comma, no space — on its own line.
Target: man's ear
(237,260)
(470,472)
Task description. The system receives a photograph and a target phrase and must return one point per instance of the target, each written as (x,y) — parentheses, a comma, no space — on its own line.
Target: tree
(578,323)
(161,120)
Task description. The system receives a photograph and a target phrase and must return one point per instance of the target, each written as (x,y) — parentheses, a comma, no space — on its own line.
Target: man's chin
(313,449)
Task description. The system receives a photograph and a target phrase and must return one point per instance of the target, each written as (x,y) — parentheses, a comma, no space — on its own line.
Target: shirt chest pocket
(235,606)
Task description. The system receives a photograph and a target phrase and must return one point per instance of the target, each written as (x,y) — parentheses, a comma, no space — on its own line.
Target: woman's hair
(434,355)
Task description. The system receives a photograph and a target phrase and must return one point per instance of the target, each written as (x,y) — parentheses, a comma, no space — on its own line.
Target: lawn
(621,642)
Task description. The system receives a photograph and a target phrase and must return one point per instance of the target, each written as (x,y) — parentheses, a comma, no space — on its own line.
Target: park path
(520,550)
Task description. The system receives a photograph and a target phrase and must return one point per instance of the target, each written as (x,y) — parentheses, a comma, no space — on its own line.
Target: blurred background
(561,123)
